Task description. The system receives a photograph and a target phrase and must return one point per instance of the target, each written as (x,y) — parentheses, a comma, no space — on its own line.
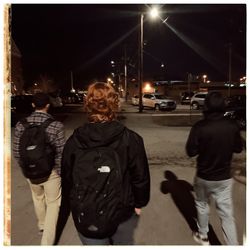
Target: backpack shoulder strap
(24,122)
(47,122)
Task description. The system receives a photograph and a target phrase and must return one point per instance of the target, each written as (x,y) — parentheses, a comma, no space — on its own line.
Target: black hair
(40,100)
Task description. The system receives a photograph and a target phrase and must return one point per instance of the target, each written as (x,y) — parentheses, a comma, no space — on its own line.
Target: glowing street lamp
(153,14)
(204,78)
(112,63)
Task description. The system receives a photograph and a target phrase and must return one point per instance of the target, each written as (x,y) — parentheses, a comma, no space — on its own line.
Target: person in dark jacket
(102,130)
(214,139)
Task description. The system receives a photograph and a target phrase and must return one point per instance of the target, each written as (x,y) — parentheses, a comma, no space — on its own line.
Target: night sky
(57,38)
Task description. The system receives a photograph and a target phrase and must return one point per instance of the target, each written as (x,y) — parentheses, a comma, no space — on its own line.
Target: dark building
(16,70)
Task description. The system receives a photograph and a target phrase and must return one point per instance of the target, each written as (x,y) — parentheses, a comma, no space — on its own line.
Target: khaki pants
(47,200)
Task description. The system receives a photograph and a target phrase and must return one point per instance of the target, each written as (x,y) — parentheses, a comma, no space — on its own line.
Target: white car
(198,99)
(135,100)
(56,102)
(158,102)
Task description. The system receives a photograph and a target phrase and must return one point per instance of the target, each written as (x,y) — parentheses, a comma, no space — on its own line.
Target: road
(162,222)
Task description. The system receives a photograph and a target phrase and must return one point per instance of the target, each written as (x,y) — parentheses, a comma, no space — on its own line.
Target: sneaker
(203,240)
(40,232)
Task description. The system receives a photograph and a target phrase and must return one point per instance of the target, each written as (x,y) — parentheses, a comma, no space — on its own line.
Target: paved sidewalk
(163,221)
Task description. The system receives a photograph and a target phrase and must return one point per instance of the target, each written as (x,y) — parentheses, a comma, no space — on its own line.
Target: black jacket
(129,146)
(214,139)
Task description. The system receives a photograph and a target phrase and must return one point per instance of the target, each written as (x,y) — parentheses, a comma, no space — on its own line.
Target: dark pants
(123,236)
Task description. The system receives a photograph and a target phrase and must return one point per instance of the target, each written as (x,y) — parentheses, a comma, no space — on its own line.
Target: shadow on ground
(181,193)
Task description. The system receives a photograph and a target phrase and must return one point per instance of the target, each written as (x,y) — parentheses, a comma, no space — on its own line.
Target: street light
(153,14)
(204,78)
(112,63)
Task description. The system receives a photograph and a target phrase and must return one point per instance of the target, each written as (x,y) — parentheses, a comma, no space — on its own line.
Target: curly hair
(101,103)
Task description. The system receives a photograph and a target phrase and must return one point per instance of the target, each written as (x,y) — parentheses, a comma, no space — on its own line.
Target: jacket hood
(98,134)
(214,103)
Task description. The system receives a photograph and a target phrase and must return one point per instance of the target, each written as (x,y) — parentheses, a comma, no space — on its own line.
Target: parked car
(55,100)
(135,100)
(236,109)
(236,101)
(238,114)
(82,97)
(186,97)
(158,102)
(71,98)
(197,100)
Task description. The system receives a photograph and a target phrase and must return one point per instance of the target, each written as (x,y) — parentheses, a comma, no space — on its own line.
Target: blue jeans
(123,236)
(221,192)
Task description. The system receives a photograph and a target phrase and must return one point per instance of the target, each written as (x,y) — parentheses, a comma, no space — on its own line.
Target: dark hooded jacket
(130,148)
(214,139)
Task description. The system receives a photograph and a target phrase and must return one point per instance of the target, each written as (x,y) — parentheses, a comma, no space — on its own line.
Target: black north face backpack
(96,196)
(36,154)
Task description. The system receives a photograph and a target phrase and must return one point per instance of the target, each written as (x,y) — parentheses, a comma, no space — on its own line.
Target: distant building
(17,82)
(175,88)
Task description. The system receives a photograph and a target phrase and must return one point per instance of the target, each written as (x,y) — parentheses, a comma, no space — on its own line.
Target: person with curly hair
(105,172)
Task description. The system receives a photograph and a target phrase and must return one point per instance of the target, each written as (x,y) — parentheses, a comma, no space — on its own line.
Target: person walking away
(214,139)
(38,145)
(105,171)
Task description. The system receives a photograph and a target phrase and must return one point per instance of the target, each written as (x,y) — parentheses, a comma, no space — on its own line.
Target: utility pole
(71,81)
(230,69)
(189,94)
(140,64)
(125,73)
(189,82)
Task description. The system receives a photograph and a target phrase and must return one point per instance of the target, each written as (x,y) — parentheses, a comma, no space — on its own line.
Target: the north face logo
(104,169)
(32,147)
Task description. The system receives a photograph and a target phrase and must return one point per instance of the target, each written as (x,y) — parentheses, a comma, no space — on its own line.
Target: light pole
(125,73)
(230,69)
(71,82)
(140,66)
(154,14)
(204,78)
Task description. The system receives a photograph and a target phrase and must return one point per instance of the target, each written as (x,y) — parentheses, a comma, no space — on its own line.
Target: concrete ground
(164,221)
